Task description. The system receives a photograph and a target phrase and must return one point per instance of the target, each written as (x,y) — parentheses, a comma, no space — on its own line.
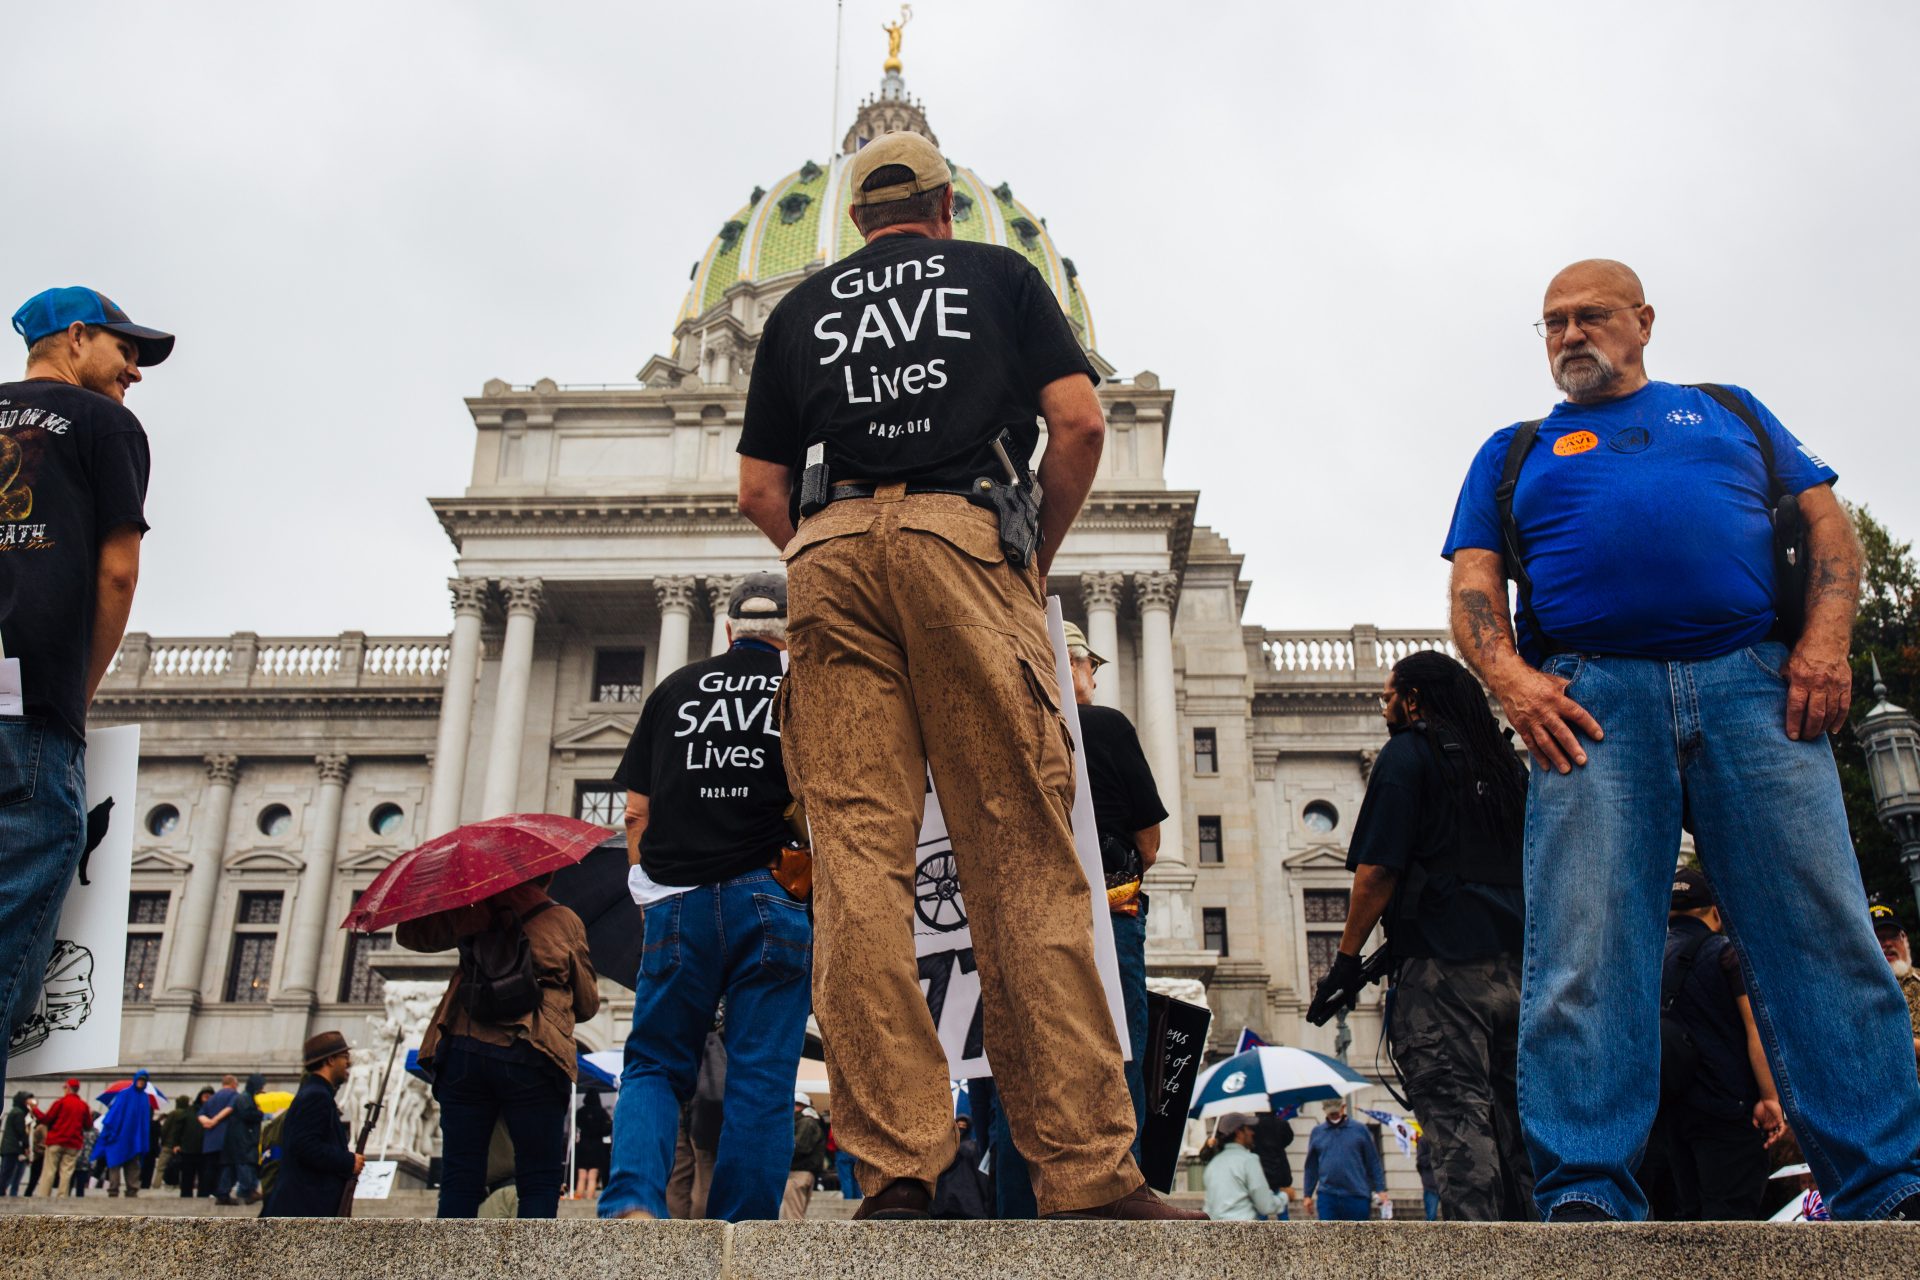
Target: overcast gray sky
(1326,225)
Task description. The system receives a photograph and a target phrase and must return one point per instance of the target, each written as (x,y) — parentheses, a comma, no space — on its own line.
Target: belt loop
(890,492)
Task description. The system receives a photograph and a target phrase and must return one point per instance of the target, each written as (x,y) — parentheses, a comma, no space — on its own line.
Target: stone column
(309,931)
(1159,723)
(456,706)
(502,789)
(676,621)
(194,921)
(1102,594)
(718,589)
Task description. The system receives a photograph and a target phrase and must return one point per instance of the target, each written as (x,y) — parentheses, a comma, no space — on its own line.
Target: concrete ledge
(98,1248)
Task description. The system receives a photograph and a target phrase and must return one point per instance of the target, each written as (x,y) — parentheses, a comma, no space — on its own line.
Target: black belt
(848,489)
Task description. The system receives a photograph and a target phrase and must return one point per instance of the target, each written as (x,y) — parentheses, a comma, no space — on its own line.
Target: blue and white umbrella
(1270,1078)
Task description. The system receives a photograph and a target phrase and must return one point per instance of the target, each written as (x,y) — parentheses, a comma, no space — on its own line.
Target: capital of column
(1156,590)
(675,594)
(222,770)
(720,588)
(523,595)
(333,768)
(469,595)
(1102,590)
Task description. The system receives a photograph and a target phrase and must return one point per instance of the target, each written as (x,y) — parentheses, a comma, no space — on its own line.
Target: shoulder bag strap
(1670,988)
(1738,408)
(1516,563)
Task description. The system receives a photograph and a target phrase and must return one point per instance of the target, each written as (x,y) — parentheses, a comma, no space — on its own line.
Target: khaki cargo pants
(914,642)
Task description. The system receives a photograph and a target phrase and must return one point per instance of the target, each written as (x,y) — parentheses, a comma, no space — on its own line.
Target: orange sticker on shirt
(1576,442)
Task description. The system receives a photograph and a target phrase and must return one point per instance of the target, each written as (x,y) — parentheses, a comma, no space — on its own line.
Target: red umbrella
(469,864)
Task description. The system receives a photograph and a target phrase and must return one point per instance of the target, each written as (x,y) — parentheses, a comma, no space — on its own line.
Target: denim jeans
(849,1185)
(747,941)
(242,1177)
(43,828)
(477,1091)
(11,1167)
(1331,1206)
(1705,739)
(1012,1186)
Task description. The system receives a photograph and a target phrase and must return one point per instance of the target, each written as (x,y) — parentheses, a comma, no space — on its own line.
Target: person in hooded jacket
(14,1143)
(125,1135)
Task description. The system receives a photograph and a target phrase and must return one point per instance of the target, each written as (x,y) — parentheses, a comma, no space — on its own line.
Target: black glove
(1337,991)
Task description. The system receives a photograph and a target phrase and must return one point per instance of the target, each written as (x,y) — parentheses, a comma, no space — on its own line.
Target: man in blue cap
(73,486)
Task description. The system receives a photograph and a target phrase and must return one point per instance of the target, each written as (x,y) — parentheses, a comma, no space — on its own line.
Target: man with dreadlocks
(1436,856)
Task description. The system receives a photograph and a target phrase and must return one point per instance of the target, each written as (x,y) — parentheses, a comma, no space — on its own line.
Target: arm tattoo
(1486,625)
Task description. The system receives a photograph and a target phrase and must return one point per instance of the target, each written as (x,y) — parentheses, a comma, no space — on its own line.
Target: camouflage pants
(1456,1031)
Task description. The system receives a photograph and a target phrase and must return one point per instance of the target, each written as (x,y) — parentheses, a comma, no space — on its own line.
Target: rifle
(376,1105)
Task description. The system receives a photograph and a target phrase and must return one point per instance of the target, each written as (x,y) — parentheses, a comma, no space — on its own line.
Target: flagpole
(839,21)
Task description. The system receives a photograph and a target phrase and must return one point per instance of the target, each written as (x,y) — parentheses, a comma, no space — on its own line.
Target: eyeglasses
(1587,318)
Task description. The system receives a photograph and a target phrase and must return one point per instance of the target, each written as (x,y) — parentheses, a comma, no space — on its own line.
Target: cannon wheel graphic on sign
(66,998)
(936,893)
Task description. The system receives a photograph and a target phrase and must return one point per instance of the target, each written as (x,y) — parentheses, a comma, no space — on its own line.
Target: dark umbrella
(471,864)
(596,888)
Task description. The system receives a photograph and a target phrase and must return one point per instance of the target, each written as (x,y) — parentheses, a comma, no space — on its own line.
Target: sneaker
(902,1198)
(1579,1211)
(1907,1210)
(229,1201)
(1138,1205)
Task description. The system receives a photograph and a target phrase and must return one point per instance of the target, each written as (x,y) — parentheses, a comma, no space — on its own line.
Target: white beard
(1901,968)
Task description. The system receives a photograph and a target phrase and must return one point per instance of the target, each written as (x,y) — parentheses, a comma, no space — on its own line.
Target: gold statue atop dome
(893,30)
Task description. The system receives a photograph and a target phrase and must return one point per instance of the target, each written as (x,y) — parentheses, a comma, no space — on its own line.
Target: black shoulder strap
(1737,407)
(1670,987)
(1517,451)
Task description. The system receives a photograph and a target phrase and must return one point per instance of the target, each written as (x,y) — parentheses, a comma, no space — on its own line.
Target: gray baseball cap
(759,595)
(1233,1122)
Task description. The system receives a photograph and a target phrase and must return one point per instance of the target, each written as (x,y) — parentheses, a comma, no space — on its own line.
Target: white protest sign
(75,1025)
(376,1180)
(942,939)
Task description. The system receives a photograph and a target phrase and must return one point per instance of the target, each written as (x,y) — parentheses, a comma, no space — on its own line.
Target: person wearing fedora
(315,1162)
(73,486)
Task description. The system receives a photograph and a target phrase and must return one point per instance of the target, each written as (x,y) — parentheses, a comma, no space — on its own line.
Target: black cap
(1885,917)
(1691,892)
(759,595)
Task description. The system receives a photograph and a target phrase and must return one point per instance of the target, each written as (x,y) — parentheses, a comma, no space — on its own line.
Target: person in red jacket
(67,1121)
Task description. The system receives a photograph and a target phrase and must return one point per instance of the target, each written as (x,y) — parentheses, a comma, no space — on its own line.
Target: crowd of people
(1666,668)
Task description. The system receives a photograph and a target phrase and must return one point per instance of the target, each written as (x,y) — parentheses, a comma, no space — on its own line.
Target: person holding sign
(73,488)
(893,410)
(725,920)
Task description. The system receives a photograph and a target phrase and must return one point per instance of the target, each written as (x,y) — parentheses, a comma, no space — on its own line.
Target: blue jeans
(242,1177)
(745,940)
(1331,1206)
(1012,1186)
(43,828)
(1432,1199)
(849,1185)
(1705,739)
(477,1090)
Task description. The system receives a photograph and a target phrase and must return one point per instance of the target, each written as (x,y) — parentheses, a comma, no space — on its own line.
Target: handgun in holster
(816,488)
(1015,502)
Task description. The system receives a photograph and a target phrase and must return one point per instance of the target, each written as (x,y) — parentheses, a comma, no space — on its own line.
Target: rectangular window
(147,908)
(1321,949)
(143,958)
(1213,929)
(1323,907)
(251,968)
(359,984)
(1326,906)
(619,675)
(1206,752)
(1210,840)
(259,908)
(600,802)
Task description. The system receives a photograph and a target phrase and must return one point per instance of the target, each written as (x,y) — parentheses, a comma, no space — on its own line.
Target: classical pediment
(159,860)
(1321,857)
(602,733)
(263,860)
(374,858)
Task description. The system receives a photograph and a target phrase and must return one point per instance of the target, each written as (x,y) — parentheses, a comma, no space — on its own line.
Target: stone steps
(115,1246)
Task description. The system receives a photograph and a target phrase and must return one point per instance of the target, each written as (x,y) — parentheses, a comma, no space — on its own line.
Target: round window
(276,820)
(163,820)
(1320,816)
(386,819)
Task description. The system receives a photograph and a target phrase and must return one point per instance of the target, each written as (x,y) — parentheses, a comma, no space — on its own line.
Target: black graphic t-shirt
(1125,799)
(908,358)
(73,469)
(706,754)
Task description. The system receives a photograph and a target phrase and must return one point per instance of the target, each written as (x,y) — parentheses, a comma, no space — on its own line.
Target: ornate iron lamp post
(1892,739)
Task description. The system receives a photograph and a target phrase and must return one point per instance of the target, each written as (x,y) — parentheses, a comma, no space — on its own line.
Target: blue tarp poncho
(128,1129)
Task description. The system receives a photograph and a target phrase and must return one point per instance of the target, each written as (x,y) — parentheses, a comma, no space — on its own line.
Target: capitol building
(593,549)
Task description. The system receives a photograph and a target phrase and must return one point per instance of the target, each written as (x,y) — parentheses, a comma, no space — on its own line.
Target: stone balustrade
(351,659)
(1358,650)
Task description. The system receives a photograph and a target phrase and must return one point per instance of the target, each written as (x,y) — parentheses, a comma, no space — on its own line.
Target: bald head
(1615,280)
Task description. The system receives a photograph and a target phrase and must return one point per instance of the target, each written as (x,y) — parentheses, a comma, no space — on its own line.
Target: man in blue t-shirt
(1650,690)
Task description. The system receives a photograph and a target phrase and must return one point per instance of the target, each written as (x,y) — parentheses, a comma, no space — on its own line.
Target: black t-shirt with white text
(73,469)
(908,358)
(706,754)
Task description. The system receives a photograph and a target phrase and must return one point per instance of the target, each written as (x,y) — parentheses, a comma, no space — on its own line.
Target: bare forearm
(1147,841)
(112,604)
(638,811)
(1066,478)
(1834,563)
(764,488)
(1757,1054)
(1481,626)
(1372,893)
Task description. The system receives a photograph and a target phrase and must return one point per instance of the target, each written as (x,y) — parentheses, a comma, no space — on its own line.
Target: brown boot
(901,1198)
(1138,1205)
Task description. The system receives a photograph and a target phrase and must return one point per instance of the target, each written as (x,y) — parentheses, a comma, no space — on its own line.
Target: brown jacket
(569,990)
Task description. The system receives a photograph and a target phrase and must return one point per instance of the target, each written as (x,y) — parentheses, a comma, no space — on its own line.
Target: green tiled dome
(802,220)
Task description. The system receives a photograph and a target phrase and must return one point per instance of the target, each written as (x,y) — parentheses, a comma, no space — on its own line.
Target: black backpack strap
(1670,986)
(1738,408)
(1516,563)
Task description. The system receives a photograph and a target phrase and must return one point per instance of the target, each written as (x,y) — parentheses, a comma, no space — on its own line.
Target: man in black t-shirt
(73,485)
(881,385)
(1436,855)
(706,798)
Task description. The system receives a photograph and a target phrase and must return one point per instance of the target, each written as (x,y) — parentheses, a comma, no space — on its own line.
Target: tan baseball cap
(930,171)
(1077,639)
